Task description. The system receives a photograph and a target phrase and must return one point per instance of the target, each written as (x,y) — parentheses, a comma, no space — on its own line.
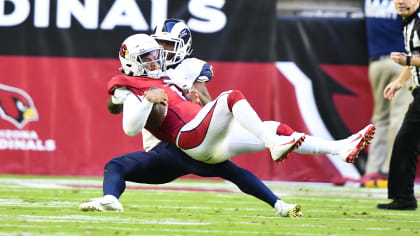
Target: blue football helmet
(176,33)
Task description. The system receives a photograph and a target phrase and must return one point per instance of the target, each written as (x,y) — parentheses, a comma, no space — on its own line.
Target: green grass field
(34,205)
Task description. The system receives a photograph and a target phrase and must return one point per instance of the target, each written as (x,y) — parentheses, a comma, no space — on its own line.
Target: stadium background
(56,57)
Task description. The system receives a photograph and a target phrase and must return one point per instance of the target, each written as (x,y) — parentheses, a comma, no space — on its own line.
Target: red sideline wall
(70,99)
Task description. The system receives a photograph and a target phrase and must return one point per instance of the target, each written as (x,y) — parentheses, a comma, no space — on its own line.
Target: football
(157,114)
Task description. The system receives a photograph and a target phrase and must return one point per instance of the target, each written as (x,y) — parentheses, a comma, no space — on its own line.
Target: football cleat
(106,203)
(287,210)
(283,145)
(399,204)
(356,143)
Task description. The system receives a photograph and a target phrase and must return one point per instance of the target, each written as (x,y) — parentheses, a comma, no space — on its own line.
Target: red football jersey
(180,111)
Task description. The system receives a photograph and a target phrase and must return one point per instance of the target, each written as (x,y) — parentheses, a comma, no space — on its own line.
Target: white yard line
(102,218)
(280,188)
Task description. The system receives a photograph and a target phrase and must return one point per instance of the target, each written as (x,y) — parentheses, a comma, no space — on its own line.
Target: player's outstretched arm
(202,92)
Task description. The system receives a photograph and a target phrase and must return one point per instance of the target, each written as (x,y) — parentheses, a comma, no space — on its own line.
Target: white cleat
(356,143)
(287,210)
(106,203)
(283,145)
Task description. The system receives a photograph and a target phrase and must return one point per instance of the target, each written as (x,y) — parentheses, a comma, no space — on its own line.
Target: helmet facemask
(176,53)
(152,63)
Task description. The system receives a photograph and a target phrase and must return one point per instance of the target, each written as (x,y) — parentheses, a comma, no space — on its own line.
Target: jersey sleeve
(135,114)
(196,70)
(206,73)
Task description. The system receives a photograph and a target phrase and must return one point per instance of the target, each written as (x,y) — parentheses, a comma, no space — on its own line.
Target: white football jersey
(195,69)
(149,141)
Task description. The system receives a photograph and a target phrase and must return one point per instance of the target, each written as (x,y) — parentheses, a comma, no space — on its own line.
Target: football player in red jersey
(164,162)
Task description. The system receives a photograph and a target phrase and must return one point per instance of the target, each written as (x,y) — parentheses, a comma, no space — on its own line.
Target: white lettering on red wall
(24,140)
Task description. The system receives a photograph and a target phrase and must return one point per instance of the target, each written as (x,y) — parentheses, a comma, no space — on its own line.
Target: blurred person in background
(403,166)
(383,29)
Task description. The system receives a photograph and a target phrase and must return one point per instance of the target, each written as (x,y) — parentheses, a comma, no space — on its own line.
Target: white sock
(314,145)
(279,205)
(249,119)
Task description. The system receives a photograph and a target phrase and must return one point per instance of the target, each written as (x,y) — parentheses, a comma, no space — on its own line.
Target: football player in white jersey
(163,162)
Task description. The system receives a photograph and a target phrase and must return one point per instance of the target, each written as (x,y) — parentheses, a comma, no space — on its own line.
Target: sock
(248,118)
(279,205)
(314,145)
(283,129)
(110,198)
(311,145)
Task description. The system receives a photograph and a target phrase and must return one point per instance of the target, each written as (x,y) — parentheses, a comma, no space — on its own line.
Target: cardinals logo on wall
(16,106)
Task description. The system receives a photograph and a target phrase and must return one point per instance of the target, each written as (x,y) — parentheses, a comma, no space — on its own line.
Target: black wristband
(408,60)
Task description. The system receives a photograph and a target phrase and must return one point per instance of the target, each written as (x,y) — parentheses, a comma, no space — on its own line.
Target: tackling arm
(202,92)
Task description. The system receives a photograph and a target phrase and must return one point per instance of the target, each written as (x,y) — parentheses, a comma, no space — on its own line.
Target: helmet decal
(123,51)
(184,35)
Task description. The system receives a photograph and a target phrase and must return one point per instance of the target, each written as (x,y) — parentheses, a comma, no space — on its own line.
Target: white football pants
(214,135)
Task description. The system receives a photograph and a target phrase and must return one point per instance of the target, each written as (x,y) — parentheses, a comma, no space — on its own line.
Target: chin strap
(155,74)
